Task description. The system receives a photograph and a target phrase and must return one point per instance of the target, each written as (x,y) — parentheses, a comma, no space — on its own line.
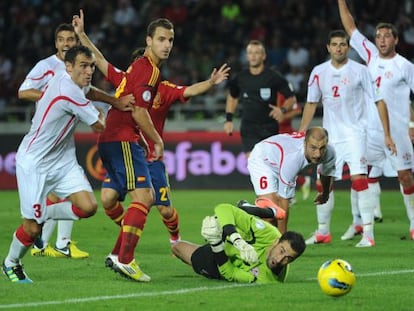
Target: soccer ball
(336,277)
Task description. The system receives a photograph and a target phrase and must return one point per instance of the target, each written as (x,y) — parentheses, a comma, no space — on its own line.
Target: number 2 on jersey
(335,90)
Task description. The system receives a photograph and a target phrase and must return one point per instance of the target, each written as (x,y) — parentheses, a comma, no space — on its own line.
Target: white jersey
(345,94)
(394,77)
(276,161)
(42,72)
(50,144)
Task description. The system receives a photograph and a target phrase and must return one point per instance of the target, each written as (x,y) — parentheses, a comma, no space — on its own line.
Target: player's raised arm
(346,17)
(78,23)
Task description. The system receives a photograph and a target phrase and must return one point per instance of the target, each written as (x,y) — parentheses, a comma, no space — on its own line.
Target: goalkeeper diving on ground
(241,248)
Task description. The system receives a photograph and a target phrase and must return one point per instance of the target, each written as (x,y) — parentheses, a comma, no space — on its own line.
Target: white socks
(356,216)
(374,190)
(64,233)
(16,251)
(47,230)
(61,211)
(324,213)
(366,209)
(409,206)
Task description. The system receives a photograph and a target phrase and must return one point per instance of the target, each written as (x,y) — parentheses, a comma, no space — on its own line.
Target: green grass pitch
(384,273)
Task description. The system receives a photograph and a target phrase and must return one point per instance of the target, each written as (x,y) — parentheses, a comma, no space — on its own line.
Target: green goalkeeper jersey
(258,233)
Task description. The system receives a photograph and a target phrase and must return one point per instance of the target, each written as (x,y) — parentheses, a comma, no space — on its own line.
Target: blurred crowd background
(208,33)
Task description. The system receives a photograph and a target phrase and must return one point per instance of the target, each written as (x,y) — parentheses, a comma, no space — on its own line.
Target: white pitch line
(171,292)
(134,295)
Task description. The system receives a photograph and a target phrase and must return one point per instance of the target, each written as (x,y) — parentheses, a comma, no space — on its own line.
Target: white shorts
(264,178)
(352,152)
(35,186)
(385,170)
(378,154)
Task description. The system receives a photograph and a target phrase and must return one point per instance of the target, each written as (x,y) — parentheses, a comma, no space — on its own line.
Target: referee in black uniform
(256,89)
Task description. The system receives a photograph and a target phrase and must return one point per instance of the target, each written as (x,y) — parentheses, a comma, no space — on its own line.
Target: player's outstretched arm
(124,103)
(216,77)
(78,23)
(346,17)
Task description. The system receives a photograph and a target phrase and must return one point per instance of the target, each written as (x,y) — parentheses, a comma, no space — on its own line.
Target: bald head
(316,141)
(317,133)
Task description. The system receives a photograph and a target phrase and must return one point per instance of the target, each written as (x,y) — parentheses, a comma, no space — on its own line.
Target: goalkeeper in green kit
(241,247)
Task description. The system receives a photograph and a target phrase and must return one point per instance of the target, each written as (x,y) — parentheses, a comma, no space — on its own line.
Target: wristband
(283,109)
(234,237)
(229,117)
(411,125)
(217,248)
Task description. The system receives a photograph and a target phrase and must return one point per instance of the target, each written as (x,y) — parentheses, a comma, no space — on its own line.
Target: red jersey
(167,94)
(141,79)
(286,125)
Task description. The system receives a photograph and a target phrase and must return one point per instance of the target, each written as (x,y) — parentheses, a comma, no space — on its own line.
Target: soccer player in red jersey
(167,94)
(123,157)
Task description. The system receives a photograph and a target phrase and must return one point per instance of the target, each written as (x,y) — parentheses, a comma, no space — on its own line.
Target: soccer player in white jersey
(46,158)
(345,89)
(394,76)
(31,89)
(276,161)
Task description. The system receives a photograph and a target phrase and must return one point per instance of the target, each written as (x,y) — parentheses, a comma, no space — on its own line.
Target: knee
(405,178)
(108,199)
(91,209)
(87,206)
(32,228)
(145,196)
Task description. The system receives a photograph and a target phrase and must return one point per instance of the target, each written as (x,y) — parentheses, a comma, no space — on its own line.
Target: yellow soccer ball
(336,277)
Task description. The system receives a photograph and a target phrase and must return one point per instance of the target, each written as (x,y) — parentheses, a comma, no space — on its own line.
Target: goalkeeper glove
(247,252)
(212,232)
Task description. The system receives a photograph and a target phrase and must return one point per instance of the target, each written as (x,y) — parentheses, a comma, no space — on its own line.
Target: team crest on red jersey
(146,96)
